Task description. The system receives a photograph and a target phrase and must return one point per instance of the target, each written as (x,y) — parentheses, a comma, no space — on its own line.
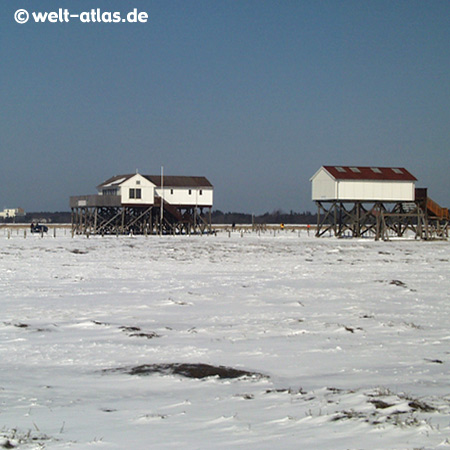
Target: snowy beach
(257,341)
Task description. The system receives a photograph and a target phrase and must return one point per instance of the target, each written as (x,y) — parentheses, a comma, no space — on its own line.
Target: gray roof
(179,181)
(116,180)
(169,181)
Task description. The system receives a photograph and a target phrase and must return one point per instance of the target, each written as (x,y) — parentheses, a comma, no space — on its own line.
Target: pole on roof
(162,199)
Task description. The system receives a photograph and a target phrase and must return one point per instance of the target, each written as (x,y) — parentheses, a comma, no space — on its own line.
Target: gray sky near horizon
(255,95)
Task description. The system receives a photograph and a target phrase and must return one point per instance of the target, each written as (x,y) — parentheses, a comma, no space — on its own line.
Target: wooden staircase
(429,206)
(169,209)
(435,210)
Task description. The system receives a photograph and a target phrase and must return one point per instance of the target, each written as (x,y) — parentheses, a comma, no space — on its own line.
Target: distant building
(9,213)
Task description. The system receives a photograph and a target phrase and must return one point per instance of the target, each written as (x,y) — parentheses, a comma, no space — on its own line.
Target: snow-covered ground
(104,342)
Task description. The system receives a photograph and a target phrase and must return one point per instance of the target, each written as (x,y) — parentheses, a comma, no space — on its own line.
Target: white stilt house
(137,189)
(368,184)
(145,203)
(356,201)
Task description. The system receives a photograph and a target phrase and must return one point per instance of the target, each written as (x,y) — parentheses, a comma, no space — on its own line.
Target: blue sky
(255,95)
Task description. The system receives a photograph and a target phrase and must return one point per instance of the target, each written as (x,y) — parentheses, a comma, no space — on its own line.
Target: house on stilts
(145,204)
(377,201)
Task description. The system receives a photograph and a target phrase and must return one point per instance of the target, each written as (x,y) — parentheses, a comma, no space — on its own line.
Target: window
(110,192)
(398,171)
(138,181)
(355,170)
(340,169)
(376,170)
(171,192)
(190,191)
(135,193)
(200,192)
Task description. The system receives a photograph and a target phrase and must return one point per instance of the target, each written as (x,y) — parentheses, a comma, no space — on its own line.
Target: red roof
(370,173)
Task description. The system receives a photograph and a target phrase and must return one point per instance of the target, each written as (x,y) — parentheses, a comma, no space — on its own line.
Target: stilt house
(356,201)
(145,204)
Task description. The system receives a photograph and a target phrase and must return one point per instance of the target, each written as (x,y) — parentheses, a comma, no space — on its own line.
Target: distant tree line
(277,216)
(44,217)
(217,217)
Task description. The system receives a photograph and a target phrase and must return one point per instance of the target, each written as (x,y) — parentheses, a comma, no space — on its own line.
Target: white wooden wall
(375,190)
(181,196)
(138,182)
(325,187)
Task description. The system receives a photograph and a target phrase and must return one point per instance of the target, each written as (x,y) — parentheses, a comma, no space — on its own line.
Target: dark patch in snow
(137,332)
(398,283)
(246,396)
(150,335)
(435,361)
(380,404)
(14,439)
(101,323)
(367,316)
(350,329)
(77,251)
(291,391)
(390,408)
(335,390)
(345,415)
(413,325)
(418,405)
(129,328)
(197,371)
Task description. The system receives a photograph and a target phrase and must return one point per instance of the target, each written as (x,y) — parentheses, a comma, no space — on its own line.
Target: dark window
(132,193)
(200,192)
(190,191)
(171,192)
(138,193)
(110,192)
